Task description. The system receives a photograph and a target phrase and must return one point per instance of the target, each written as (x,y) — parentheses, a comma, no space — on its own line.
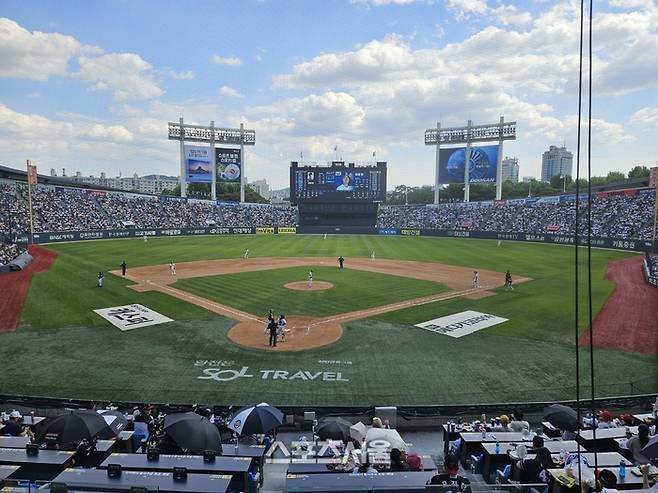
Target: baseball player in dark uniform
(123,268)
(340,261)
(272,326)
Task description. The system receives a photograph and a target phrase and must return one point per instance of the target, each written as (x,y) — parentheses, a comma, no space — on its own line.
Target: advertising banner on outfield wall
(198,164)
(482,165)
(229,165)
(615,243)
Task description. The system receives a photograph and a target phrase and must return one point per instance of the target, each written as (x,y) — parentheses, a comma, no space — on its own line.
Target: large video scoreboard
(337,183)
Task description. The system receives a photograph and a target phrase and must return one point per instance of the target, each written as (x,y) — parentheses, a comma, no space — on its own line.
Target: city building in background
(510,171)
(262,188)
(151,184)
(528,179)
(556,161)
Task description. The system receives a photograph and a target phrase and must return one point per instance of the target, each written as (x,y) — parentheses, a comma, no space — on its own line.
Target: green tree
(557,182)
(225,191)
(615,176)
(638,172)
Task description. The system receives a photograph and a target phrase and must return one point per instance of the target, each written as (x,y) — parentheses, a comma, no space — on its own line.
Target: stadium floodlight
(471,134)
(211,135)
(198,133)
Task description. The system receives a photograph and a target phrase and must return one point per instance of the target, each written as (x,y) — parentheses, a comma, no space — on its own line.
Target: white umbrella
(358,431)
(384,434)
(259,418)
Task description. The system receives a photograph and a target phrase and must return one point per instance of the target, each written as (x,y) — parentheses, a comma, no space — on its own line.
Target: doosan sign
(227,375)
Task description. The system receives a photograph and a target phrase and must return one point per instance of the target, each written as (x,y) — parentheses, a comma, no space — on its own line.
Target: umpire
(272,327)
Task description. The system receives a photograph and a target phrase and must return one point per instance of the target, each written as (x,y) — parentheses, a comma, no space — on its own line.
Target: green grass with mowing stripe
(353,290)
(63,349)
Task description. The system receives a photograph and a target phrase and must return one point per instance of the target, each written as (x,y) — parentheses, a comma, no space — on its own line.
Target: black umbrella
(334,428)
(116,422)
(193,432)
(256,419)
(69,429)
(650,450)
(562,417)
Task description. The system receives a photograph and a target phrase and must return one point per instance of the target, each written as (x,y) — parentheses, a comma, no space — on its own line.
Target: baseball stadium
(201,333)
(352,334)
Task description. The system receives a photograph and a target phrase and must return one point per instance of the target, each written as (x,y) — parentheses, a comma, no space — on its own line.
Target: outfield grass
(353,290)
(63,349)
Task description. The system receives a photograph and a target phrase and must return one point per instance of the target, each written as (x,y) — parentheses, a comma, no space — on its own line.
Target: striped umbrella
(256,419)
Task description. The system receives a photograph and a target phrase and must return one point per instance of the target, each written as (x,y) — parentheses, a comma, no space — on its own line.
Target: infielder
(476,279)
(508,281)
(372,255)
(246,254)
(99,280)
(310,279)
(172,268)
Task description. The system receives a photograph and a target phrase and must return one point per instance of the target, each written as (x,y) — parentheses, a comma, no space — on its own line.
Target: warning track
(628,320)
(15,285)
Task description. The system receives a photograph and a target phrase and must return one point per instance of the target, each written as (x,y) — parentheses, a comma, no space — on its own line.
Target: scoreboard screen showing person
(338,183)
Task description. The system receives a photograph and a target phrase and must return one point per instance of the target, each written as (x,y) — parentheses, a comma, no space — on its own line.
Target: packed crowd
(616,216)
(72,210)
(8,252)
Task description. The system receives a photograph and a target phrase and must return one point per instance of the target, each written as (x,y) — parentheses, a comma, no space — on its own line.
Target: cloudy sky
(90,86)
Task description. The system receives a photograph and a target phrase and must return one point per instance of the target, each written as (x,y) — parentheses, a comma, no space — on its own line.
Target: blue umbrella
(259,418)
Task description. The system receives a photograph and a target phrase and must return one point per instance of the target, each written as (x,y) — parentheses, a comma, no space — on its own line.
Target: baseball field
(352,338)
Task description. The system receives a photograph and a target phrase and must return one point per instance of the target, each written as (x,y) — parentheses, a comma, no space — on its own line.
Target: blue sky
(89,86)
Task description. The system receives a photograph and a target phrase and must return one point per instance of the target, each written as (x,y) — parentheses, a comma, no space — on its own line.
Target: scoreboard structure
(338,194)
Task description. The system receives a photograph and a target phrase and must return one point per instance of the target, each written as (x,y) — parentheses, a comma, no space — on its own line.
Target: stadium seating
(618,216)
(59,210)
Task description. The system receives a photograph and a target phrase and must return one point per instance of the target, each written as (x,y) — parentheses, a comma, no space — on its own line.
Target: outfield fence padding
(598,242)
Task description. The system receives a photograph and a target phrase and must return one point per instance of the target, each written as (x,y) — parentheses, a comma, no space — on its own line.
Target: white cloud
(126,75)
(231,61)
(645,116)
(466,8)
(36,55)
(380,3)
(184,75)
(230,92)
(331,112)
(39,129)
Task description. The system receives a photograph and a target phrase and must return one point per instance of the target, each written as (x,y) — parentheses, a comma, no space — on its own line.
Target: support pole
(242,163)
(213,183)
(29,202)
(499,161)
(655,219)
(183,171)
(467,163)
(437,164)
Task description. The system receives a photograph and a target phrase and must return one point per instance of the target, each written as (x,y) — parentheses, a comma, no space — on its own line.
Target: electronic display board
(338,183)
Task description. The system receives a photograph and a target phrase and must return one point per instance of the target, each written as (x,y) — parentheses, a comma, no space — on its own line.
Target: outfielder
(310,279)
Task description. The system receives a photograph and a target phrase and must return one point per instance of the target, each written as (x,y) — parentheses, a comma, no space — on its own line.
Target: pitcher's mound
(301,334)
(303,286)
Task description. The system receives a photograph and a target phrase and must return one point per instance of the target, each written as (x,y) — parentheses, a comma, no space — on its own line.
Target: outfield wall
(598,242)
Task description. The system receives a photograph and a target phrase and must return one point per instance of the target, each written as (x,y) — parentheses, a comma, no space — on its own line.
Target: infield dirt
(308,332)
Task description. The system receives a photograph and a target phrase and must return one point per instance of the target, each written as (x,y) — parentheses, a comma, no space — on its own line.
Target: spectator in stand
(449,479)
(518,424)
(636,443)
(398,460)
(605,420)
(502,424)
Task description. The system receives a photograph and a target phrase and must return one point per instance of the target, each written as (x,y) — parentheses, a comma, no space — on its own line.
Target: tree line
(403,194)
(225,191)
